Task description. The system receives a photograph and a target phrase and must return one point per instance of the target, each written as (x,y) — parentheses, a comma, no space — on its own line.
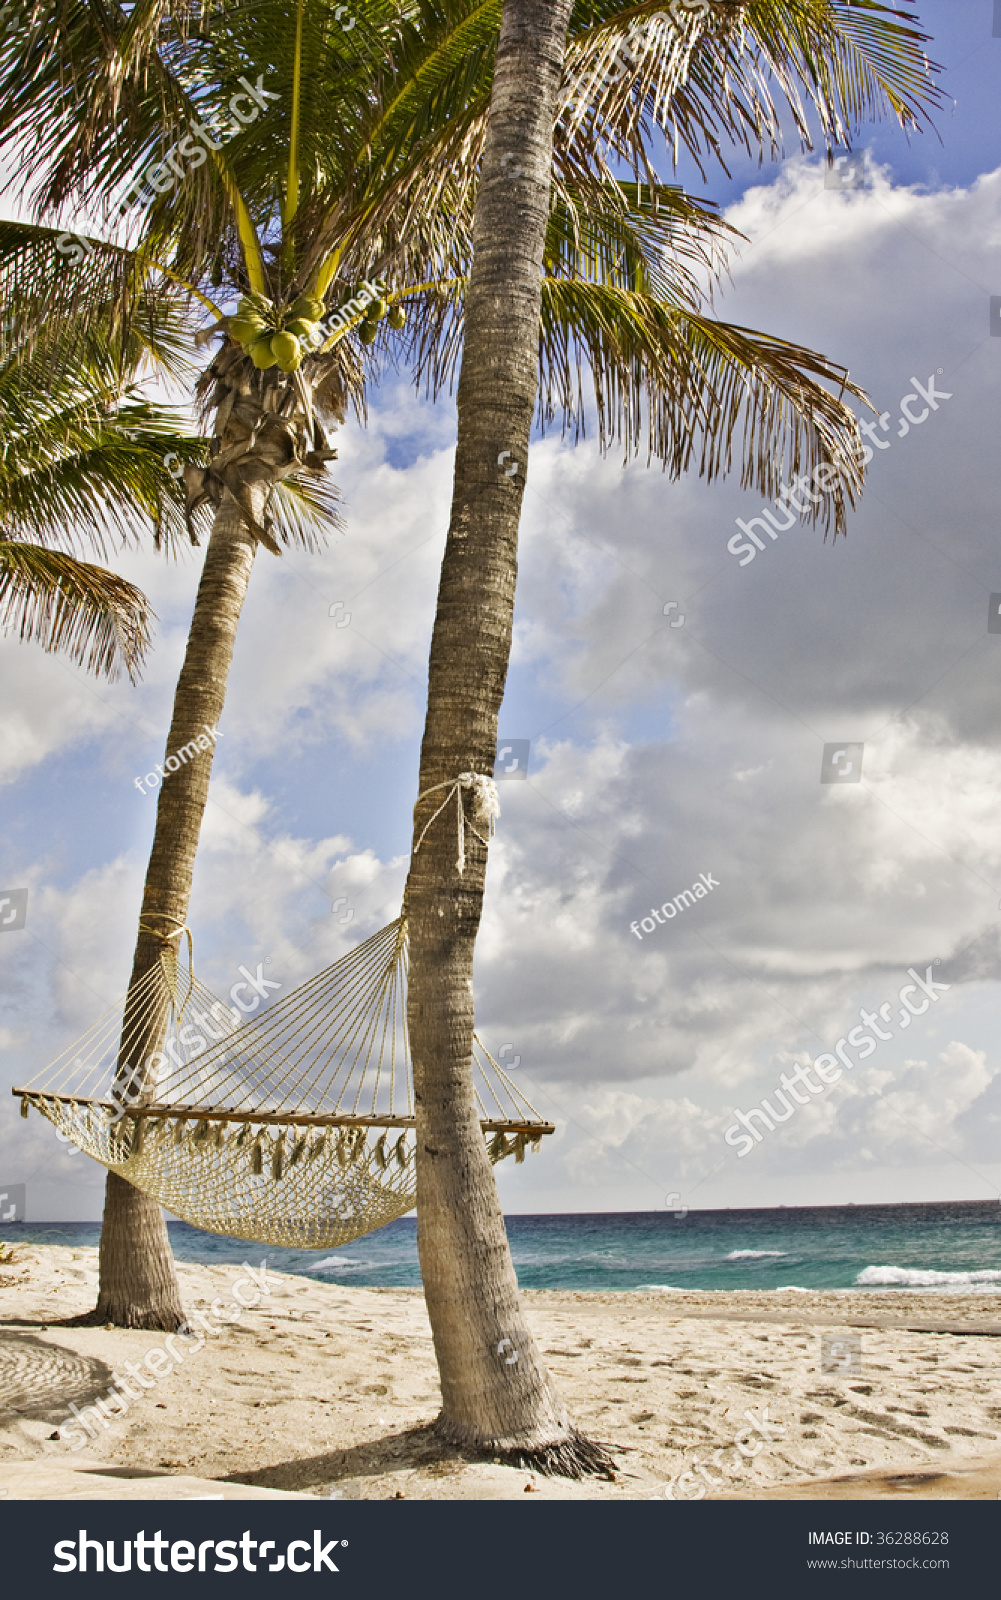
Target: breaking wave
(925,1278)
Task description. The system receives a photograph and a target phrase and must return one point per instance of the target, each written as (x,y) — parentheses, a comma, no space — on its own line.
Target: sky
(678,699)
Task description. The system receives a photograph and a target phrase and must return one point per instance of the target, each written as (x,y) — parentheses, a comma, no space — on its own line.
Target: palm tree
(488,1401)
(370,163)
(264,482)
(82,462)
(690,376)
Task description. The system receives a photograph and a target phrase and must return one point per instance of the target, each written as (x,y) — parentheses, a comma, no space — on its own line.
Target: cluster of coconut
(281,336)
(374,313)
(275,337)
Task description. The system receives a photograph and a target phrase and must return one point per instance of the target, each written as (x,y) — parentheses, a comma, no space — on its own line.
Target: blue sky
(658,753)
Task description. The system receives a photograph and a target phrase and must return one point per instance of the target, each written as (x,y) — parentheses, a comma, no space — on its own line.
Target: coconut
(287,351)
(261,353)
(397,317)
(368,331)
(308,307)
(308,332)
(245,329)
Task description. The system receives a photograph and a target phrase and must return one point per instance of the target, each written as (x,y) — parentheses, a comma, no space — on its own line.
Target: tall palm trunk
(138,1284)
(496,1393)
(266,429)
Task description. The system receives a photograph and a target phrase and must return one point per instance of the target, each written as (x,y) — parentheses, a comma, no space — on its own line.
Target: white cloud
(658,753)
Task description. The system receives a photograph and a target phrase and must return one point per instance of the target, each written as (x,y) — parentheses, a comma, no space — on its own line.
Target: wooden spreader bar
(294,1119)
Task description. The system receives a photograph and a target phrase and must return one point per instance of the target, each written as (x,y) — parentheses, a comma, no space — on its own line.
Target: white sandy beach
(326,1390)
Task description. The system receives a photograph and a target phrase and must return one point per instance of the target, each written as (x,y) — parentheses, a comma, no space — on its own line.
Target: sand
(330,1390)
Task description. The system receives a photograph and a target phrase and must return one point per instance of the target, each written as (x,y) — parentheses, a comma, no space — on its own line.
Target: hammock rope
(276,1127)
(486,809)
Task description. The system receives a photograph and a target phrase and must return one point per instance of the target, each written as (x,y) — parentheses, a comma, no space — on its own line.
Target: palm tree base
(138,1284)
(572,1456)
(164,1318)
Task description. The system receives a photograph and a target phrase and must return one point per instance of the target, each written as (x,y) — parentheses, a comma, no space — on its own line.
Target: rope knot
(486,802)
(485,807)
(169,955)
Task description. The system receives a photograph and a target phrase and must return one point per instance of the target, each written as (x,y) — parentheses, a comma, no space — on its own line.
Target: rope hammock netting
(295,1128)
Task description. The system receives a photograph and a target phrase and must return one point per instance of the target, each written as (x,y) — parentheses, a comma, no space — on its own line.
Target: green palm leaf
(81,469)
(95,617)
(85,460)
(700,390)
(367,160)
(725,77)
(72,300)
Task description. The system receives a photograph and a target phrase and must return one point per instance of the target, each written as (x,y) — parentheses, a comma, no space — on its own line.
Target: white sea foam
(668,1288)
(333,1261)
(792,1288)
(754,1255)
(921,1278)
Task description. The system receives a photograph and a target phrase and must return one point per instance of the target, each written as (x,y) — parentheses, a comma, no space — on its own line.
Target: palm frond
(651,237)
(81,465)
(98,619)
(389,118)
(304,509)
(699,391)
(725,74)
(71,300)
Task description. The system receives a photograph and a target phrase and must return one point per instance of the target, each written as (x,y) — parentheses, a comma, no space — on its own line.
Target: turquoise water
(954,1247)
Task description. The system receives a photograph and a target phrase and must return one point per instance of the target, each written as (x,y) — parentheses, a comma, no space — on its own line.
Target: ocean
(954,1248)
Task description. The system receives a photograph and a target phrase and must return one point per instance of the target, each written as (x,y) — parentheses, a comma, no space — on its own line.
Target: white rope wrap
(485,809)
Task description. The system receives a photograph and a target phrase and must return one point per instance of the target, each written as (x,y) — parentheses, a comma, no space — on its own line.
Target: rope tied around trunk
(167,949)
(485,808)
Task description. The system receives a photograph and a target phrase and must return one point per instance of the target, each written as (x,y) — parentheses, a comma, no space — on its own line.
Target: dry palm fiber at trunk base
(278,1128)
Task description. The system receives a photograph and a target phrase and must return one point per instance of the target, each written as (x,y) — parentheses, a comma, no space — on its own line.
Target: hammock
(295,1128)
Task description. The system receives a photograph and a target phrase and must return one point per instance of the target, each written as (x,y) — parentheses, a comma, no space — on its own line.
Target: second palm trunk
(497,1395)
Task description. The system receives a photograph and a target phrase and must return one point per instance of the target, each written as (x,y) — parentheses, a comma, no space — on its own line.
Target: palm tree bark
(138,1284)
(264,433)
(496,1393)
